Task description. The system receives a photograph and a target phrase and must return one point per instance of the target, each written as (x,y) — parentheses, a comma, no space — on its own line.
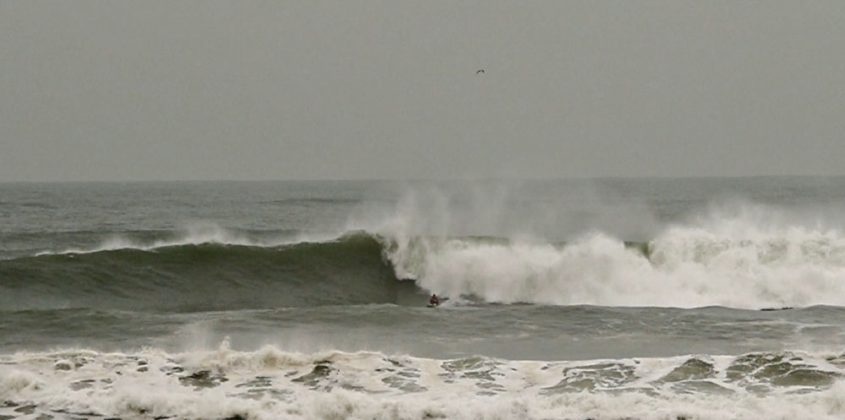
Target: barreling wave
(744,261)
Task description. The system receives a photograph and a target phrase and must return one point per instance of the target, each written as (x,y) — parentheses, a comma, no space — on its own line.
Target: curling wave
(738,263)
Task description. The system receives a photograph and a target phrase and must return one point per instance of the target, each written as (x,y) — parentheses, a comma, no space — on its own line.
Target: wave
(743,260)
(682,268)
(269,383)
(206,276)
(754,258)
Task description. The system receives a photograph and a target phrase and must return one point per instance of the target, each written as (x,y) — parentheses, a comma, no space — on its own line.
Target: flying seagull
(479,71)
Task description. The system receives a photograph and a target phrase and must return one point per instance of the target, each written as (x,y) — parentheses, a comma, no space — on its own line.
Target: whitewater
(602,299)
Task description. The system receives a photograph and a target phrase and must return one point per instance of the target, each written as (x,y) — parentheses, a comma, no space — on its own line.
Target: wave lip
(269,383)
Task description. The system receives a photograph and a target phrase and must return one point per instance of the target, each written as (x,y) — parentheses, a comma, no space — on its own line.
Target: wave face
(204,276)
(269,384)
(726,262)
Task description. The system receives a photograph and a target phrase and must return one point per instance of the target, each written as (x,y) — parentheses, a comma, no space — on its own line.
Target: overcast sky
(141,90)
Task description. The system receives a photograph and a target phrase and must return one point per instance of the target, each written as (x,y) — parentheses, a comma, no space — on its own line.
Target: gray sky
(114,90)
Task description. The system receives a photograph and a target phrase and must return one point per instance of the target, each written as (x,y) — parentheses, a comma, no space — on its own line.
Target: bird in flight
(479,71)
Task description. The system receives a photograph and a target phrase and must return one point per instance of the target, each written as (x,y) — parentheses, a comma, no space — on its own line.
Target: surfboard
(785,308)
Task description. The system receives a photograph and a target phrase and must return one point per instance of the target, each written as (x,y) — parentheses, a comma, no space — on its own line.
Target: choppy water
(568,299)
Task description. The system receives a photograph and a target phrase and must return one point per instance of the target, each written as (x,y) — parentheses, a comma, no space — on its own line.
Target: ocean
(693,298)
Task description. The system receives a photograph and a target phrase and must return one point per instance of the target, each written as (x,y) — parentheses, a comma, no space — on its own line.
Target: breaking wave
(742,261)
(749,260)
(681,268)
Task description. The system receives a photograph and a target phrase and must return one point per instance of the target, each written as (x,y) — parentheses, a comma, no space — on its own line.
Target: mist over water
(562,293)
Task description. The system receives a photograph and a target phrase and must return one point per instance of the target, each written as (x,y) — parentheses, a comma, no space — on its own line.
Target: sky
(193,90)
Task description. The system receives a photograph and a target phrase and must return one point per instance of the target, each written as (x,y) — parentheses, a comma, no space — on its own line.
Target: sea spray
(735,262)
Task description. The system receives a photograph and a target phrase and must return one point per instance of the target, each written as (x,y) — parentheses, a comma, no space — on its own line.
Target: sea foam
(738,260)
(269,383)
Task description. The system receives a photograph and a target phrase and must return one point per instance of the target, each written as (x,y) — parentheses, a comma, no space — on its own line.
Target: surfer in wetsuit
(434,300)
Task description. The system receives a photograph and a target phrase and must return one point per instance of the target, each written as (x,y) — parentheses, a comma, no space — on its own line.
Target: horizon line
(475,179)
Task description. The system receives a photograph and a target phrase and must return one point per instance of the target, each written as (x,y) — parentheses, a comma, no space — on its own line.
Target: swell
(735,263)
(207,276)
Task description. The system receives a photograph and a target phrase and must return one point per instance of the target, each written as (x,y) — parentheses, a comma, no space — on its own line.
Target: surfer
(433,300)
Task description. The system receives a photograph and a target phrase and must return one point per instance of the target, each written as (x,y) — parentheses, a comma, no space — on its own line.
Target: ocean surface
(718,298)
